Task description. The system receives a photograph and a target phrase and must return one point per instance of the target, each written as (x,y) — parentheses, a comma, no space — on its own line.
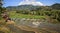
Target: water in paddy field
(41,25)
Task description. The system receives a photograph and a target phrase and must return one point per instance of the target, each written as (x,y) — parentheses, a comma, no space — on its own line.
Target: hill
(55,6)
(22,7)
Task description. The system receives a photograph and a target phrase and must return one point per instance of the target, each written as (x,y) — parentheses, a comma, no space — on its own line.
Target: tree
(1,8)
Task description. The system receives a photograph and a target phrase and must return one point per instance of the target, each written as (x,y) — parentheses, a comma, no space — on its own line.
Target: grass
(16,15)
(3,27)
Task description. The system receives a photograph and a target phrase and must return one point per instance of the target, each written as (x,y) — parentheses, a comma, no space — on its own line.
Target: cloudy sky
(32,2)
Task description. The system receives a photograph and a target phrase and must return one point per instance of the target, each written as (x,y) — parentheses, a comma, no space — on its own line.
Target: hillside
(22,7)
(55,6)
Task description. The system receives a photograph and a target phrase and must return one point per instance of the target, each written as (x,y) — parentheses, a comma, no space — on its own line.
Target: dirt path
(15,29)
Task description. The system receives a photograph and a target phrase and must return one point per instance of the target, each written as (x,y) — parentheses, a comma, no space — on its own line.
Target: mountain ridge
(22,7)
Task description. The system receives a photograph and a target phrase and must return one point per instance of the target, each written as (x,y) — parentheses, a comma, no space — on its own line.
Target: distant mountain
(56,6)
(22,7)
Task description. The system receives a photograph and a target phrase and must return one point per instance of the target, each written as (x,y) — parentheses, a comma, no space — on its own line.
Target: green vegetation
(37,12)
(1,7)
(17,15)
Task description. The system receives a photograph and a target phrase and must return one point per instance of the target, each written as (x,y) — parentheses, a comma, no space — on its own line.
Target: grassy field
(17,15)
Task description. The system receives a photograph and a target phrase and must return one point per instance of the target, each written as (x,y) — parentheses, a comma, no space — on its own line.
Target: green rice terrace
(29,26)
(16,15)
(26,24)
(34,17)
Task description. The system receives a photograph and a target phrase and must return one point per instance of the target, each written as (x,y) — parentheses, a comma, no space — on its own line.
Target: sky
(33,2)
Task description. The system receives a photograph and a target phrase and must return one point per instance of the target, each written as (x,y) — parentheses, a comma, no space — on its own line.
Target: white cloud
(30,2)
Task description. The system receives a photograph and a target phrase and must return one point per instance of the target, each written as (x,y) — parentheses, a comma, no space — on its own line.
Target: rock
(36,24)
